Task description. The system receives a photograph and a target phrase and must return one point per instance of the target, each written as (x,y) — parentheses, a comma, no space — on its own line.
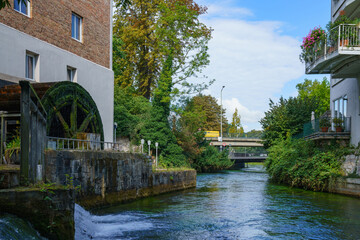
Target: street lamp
(149,143)
(156,159)
(221,130)
(115,127)
(142,145)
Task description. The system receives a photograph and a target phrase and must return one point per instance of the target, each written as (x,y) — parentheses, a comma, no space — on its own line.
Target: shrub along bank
(300,163)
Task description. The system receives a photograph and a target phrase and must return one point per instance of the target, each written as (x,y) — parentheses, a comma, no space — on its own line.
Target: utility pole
(221,116)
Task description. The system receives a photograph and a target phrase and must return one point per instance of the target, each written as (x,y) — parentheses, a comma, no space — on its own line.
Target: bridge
(241,158)
(236,142)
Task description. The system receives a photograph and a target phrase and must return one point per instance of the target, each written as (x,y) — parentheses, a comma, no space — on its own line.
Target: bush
(300,163)
(211,160)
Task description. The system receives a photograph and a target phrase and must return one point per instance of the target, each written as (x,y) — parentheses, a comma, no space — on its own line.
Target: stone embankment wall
(112,177)
(50,212)
(350,185)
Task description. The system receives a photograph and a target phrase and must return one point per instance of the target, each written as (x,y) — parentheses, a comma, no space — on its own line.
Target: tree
(203,112)
(320,91)
(286,117)
(157,128)
(153,30)
(130,111)
(6,3)
(254,134)
(235,126)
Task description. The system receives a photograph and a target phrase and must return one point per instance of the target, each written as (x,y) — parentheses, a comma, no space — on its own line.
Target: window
(340,107)
(71,74)
(22,7)
(29,66)
(76,25)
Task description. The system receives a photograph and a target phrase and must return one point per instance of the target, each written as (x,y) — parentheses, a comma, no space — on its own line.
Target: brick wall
(50,21)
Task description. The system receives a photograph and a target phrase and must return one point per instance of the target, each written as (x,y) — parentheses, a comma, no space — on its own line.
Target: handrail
(79,144)
(342,37)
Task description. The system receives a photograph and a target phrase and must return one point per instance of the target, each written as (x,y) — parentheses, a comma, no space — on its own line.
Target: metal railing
(56,143)
(325,125)
(345,37)
(241,135)
(237,154)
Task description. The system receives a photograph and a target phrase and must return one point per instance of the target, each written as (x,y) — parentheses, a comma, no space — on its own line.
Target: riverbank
(304,164)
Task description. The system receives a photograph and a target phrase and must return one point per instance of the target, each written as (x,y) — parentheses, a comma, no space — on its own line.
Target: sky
(255,51)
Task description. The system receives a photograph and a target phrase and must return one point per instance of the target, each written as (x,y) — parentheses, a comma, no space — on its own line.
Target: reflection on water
(229,205)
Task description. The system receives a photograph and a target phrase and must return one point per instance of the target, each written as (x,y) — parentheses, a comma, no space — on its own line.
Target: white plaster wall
(53,62)
(349,87)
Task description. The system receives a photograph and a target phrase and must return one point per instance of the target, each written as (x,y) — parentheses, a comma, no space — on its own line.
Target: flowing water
(228,205)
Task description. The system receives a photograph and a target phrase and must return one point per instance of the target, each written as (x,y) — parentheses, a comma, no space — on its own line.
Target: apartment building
(339,56)
(61,40)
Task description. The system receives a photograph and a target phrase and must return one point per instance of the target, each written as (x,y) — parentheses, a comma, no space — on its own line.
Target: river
(229,205)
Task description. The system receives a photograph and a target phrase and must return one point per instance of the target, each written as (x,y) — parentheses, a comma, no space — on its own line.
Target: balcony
(327,129)
(338,54)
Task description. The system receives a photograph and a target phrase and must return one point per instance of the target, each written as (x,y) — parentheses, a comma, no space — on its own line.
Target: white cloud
(247,116)
(253,60)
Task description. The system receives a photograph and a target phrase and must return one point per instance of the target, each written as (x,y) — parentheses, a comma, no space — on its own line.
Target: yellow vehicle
(212,134)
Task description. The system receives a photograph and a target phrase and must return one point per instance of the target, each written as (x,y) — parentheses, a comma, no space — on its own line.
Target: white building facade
(340,57)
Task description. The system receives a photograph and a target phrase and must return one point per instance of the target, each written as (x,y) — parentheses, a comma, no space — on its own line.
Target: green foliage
(150,31)
(286,117)
(324,122)
(319,91)
(130,112)
(12,147)
(118,56)
(211,160)
(235,126)
(254,134)
(203,112)
(338,122)
(300,163)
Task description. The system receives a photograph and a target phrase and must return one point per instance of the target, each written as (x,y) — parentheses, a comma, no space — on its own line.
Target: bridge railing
(241,135)
(237,154)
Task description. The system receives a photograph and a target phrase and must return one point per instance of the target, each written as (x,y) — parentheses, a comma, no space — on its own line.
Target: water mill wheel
(70,111)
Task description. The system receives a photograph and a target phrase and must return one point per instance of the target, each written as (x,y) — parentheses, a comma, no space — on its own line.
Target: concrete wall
(350,88)
(112,177)
(52,67)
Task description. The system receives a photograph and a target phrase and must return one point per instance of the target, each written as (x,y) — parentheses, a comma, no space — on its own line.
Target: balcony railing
(343,39)
(326,127)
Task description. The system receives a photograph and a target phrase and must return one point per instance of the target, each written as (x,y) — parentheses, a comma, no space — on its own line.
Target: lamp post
(149,143)
(156,159)
(221,130)
(142,145)
(115,127)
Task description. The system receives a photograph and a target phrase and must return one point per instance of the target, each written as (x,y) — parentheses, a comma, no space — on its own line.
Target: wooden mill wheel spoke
(71,110)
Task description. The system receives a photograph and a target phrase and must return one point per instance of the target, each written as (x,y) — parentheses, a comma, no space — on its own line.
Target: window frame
(340,107)
(33,57)
(73,72)
(74,31)
(28,8)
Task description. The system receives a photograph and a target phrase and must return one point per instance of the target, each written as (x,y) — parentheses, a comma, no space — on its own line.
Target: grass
(175,169)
